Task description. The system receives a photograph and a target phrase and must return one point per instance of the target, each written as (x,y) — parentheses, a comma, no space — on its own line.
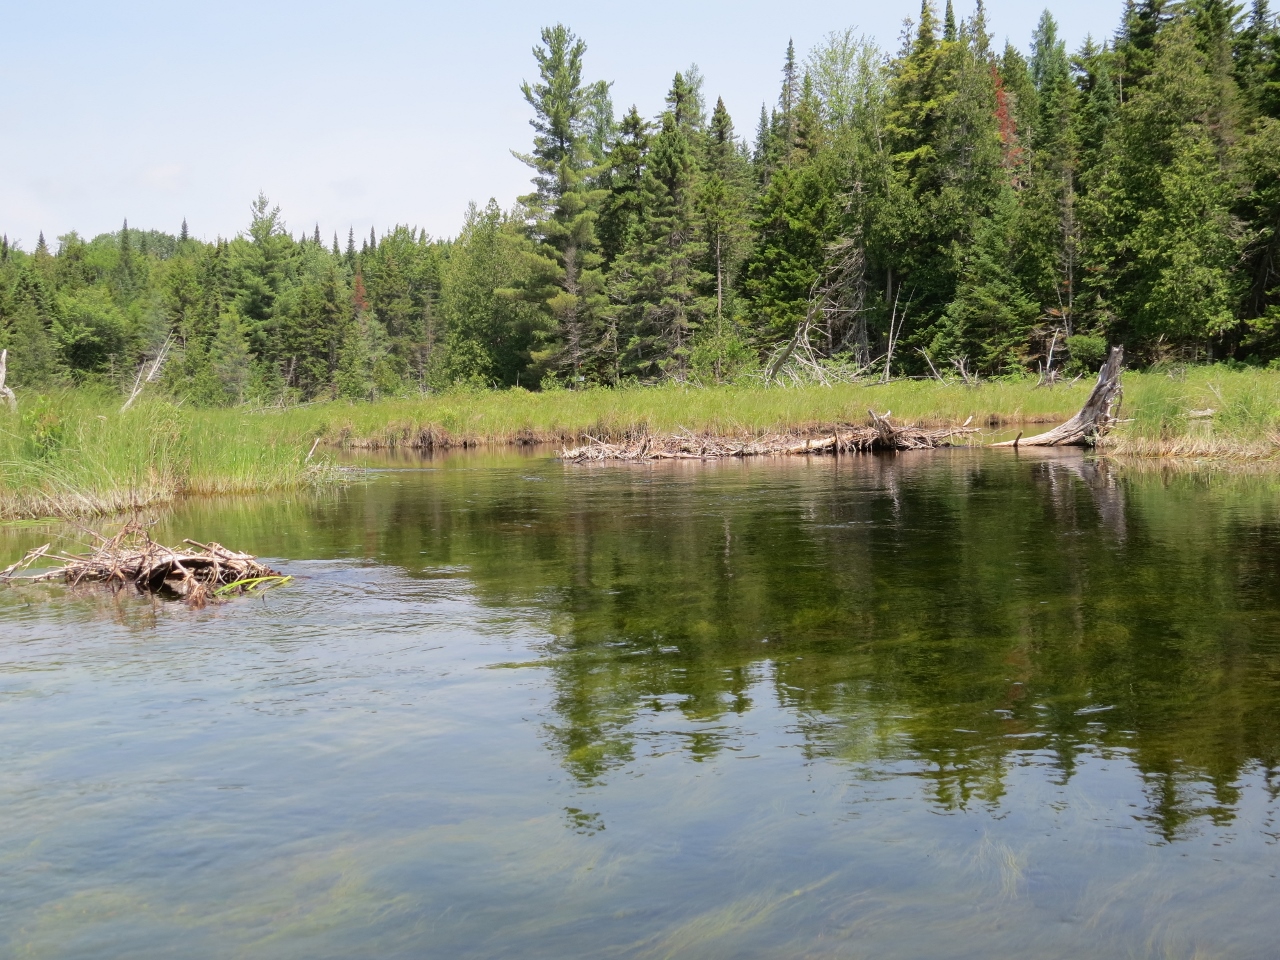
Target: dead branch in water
(197,573)
(881,435)
(1095,418)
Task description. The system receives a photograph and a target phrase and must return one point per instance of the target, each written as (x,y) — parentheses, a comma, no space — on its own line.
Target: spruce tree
(622,208)
(682,101)
(1160,241)
(230,358)
(183,235)
(1258,159)
(658,281)
(124,272)
(722,205)
(565,264)
(1049,225)
(723,202)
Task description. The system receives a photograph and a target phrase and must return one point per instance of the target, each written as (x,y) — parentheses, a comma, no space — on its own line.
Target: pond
(954,704)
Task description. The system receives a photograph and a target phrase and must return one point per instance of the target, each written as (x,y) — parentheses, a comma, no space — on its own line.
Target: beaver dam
(1095,419)
(196,573)
(881,435)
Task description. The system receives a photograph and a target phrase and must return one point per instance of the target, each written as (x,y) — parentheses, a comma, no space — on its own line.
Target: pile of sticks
(197,574)
(881,435)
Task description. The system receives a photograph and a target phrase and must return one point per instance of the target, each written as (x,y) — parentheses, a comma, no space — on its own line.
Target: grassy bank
(567,416)
(1200,412)
(74,453)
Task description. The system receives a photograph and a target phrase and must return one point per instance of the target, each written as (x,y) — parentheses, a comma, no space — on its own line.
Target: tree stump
(1095,418)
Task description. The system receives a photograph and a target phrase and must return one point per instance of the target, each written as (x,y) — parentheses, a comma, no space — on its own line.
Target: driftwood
(197,574)
(881,435)
(1095,418)
(5,391)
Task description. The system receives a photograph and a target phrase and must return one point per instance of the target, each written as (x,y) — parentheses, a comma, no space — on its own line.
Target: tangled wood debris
(196,574)
(880,435)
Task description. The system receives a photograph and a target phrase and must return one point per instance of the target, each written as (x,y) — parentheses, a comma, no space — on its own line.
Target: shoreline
(75,454)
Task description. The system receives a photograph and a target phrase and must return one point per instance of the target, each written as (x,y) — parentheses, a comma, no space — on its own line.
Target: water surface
(962,704)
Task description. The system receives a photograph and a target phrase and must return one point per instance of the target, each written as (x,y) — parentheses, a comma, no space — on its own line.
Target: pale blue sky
(358,114)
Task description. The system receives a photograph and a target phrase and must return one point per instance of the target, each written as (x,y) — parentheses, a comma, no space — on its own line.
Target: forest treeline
(954,206)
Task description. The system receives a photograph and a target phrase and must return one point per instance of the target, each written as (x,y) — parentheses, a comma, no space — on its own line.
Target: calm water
(953,705)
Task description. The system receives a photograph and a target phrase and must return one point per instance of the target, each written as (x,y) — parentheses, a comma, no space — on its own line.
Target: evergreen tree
(1161,243)
(487,337)
(565,274)
(622,208)
(990,318)
(231,358)
(722,205)
(261,260)
(658,280)
(1258,157)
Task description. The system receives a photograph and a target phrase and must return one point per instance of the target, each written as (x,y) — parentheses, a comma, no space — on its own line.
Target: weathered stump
(1095,418)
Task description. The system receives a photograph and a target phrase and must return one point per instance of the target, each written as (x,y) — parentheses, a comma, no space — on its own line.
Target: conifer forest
(950,207)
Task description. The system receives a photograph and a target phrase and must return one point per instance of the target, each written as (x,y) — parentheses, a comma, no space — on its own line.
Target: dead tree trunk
(5,391)
(1095,418)
(148,372)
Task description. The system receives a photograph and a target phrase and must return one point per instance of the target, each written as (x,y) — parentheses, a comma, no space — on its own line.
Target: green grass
(565,416)
(72,453)
(1209,412)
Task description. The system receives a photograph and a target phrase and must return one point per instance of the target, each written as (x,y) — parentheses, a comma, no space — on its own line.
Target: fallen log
(882,435)
(197,573)
(1095,418)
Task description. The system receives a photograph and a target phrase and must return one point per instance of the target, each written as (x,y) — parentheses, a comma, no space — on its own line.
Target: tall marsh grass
(72,453)
(563,416)
(1209,412)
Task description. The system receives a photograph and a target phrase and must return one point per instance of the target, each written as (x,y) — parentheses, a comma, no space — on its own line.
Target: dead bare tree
(5,392)
(1049,376)
(961,363)
(843,295)
(896,324)
(929,360)
(148,372)
(835,313)
(1095,418)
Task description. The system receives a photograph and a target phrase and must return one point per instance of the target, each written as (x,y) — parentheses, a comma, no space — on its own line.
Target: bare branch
(148,372)
(5,391)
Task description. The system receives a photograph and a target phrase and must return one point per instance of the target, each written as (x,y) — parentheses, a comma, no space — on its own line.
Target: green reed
(73,453)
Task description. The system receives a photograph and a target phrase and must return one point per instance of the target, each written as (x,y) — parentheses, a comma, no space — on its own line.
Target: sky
(361,115)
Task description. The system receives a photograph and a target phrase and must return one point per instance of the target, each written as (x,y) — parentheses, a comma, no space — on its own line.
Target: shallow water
(955,705)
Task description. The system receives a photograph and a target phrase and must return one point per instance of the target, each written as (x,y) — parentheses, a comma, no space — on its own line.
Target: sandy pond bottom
(961,704)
